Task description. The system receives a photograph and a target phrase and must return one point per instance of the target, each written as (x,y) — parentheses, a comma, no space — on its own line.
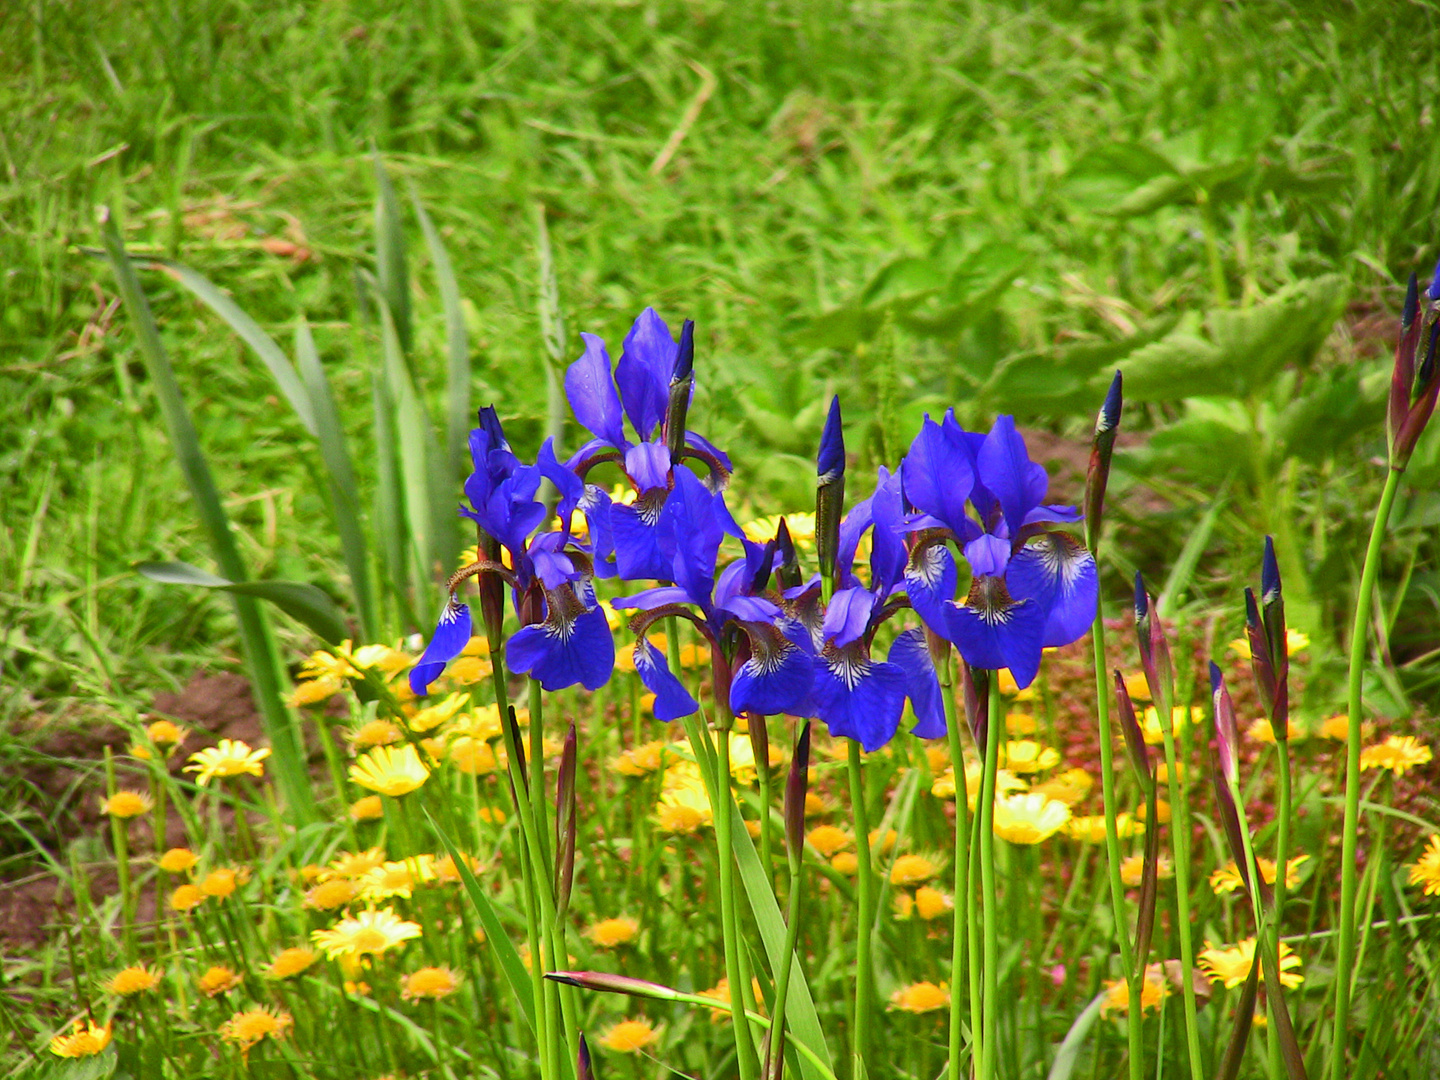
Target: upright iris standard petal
(1005,468)
(672,700)
(690,531)
(939,473)
(573,645)
(1058,573)
(569,485)
(922,685)
(859,698)
(992,630)
(643,374)
(778,675)
(648,466)
(887,537)
(591,393)
(452,634)
(848,616)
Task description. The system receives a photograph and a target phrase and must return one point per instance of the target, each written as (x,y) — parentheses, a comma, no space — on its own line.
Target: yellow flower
(931,903)
(1020,723)
(1005,782)
(816,805)
(641,761)
(1227,878)
(222,881)
(133,980)
(1295,641)
(1338,728)
(1179,717)
(921,997)
(329,895)
(847,862)
(1398,753)
(1137,686)
(1069,787)
(474,757)
(608,933)
(245,1029)
(742,759)
(1011,689)
(684,806)
(315,691)
(397,878)
(375,733)
(828,839)
(432,716)
(127,804)
(883,845)
(177,860)
(430,982)
(468,670)
(912,870)
(1029,818)
(1133,867)
(1426,869)
(447,873)
(186,898)
(1162,771)
(392,771)
(86,1040)
(694,656)
(1261,731)
(629,1036)
(164,734)
(368,808)
(355,864)
(371,932)
(290,962)
(720,994)
(231,758)
(1028,756)
(1231,965)
(1091,829)
(1154,989)
(218,980)
(1162,812)
(800,526)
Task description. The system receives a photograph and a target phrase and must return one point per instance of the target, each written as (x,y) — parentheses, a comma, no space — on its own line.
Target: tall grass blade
(258,642)
(457,346)
(391,271)
(1244,1018)
(299,599)
(1183,569)
(340,475)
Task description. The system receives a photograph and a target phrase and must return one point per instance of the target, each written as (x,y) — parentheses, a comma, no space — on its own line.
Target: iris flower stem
(787,963)
(1282,856)
(961,911)
(865,903)
(1349,837)
(1135,1028)
(767,848)
(990,962)
(1180,842)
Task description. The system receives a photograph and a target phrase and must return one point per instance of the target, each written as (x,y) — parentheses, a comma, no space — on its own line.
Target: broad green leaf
(1106,175)
(1063,379)
(300,600)
(495,935)
(1068,1055)
(391,271)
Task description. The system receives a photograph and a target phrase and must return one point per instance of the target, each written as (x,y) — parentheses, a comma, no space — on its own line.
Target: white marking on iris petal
(930,567)
(847,667)
(452,610)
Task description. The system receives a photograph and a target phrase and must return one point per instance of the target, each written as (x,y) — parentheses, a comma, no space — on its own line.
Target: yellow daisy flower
(224,880)
(1338,728)
(1261,731)
(720,994)
(1132,869)
(1227,878)
(1426,869)
(1179,717)
(369,933)
(474,757)
(828,839)
(231,758)
(608,933)
(1398,753)
(1029,818)
(397,878)
(931,903)
(1020,723)
(245,1029)
(133,980)
(177,860)
(628,1036)
(912,870)
(1295,641)
(1091,828)
(218,980)
(329,895)
(1069,787)
(847,862)
(1231,965)
(355,864)
(164,733)
(374,733)
(1154,989)
(393,771)
(1137,686)
(432,716)
(684,806)
(431,983)
(640,761)
(367,808)
(86,1040)
(127,804)
(290,962)
(1028,756)
(921,997)
(186,898)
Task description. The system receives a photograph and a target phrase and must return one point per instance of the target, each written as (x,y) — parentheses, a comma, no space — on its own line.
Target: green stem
(990,960)
(792,938)
(744,1048)
(960,920)
(864,902)
(1134,1029)
(1349,838)
(118,832)
(1180,842)
(767,850)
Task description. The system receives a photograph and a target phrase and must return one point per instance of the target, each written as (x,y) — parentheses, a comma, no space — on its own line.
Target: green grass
(838,139)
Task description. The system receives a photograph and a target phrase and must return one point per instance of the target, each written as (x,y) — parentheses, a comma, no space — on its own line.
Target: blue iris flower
(565,639)
(773,651)
(857,696)
(1031,588)
(652,364)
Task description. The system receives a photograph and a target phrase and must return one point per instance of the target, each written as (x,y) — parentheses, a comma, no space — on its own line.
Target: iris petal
(1059,574)
(922,686)
(847,616)
(1004,466)
(643,374)
(563,651)
(930,584)
(778,676)
(637,545)
(993,631)
(452,634)
(939,472)
(858,698)
(592,396)
(672,700)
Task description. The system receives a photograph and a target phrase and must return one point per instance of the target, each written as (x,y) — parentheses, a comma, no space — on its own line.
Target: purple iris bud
(682,386)
(787,573)
(1269,575)
(490,425)
(685,355)
(797,785)
(1227,735)
(830,463)
(1414,383)
(829,490)
(1412,302)
(452,634)
(1130,728)
(583,1068)
(1261,664)
(1097,477)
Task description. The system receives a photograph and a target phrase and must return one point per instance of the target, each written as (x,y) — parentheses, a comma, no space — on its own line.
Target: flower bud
(797,784)
(682,387)
(1415,379)
(1107,427)
(829,490)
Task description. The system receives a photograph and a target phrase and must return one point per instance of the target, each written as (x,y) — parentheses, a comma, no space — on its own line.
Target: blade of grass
(390,266)
(300,600)
(257,640)
(1184,567)
(457,346)
(340,474)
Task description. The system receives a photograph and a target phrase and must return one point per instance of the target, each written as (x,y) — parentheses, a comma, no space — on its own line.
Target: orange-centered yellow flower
(231,758)
(1029,818)
(1398,753)
(827,839)
(628,1036)
(223,881)
(1426,869)
(290,962)
(912,870)
(1231,965)
(1227,878)
(369,933)
(921,997)
(329,895)
(219,979)
(608,933)
(433,983)
(390,770)
(127,804)
(133,980)
(367,808)
(86,1040)
(165,734)
(1154,989)
(177,860)
(186,898)
(245,1029)
(1028,756)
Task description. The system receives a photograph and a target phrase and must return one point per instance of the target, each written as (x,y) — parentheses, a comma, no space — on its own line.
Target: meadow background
(917,205)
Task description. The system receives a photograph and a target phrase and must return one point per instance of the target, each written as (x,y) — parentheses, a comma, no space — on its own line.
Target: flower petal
(859,698)
(1005,468)
(672,700)
(847,616)
(912,656)
(452,634)
(930,581)
(648,466)
(636,538)
(939,472)
(778,676)
(1058,573)
(643,374)
(565,649)
(993,631)
(591,392)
